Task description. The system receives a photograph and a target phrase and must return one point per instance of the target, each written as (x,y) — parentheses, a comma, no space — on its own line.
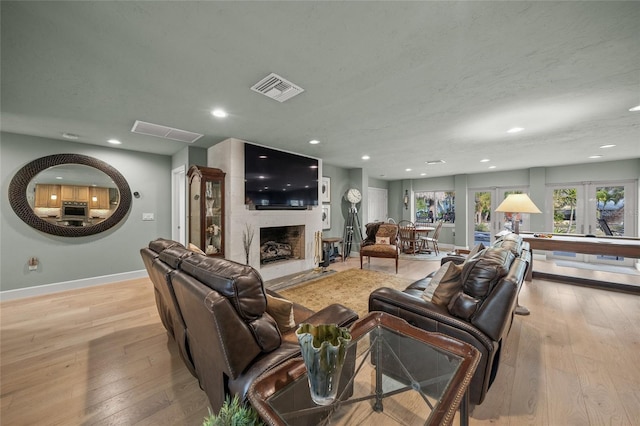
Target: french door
(592,208)
(484,221)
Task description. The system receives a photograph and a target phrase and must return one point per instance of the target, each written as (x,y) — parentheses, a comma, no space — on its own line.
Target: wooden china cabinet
(206,209)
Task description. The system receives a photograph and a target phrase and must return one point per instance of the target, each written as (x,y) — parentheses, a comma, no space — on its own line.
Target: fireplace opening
(281,243)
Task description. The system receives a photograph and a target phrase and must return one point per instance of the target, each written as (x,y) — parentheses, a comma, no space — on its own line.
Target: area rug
(350,288)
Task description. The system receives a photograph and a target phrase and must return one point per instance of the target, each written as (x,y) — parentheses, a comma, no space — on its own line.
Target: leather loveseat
(217,312)
(481,307)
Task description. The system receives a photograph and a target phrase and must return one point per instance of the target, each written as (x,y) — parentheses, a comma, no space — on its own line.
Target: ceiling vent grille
(432,162)
(165,132)
(275,87)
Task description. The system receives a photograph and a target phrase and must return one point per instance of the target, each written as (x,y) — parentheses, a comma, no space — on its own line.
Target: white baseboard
(40,290)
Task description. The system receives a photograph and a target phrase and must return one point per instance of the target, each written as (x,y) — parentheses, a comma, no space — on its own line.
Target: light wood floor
(101,356)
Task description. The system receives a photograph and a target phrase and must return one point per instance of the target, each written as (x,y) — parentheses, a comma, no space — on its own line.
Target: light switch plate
(147,216)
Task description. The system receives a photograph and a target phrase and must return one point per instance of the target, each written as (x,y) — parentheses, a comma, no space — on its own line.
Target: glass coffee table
(394,374)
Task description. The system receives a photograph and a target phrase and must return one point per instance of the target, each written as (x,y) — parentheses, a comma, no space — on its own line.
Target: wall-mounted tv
(279,180)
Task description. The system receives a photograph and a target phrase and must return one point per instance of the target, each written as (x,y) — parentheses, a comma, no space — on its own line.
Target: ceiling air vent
(276,87)
(165,132)
(432,162)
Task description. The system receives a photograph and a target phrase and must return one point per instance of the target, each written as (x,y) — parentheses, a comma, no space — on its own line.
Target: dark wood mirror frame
(20,204)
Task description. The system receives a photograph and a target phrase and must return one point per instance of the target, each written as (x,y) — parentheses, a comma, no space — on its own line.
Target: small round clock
(353,196)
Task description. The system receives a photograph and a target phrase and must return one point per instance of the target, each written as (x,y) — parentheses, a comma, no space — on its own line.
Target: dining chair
(434,239)
(409,240)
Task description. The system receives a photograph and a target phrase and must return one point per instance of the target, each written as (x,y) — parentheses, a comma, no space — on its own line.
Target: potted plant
(233,413)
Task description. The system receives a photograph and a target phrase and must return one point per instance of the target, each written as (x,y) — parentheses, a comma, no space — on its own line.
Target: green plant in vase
(233,413)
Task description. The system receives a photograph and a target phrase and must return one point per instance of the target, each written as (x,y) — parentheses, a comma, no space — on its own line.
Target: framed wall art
(326,217)
(325,195)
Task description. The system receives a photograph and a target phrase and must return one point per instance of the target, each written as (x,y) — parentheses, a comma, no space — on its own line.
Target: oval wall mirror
(70,195)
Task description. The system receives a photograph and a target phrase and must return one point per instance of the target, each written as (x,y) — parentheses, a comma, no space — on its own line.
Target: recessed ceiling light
(114,141)
(407,170)
(71,136)
(595,156)
(220,113)
(314,142)
(515,130)
(59,177)
(262,157)
(492,167)
(423,174)
(607,146)
(485,160)
(365,157)
(635,108)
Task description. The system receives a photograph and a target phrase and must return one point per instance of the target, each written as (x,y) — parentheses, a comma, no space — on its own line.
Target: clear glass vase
(323,351)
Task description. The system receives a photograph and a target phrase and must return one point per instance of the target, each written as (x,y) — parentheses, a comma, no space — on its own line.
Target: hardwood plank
(602,403)
(567,407)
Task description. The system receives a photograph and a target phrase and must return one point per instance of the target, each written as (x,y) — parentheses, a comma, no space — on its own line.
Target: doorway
(484,221)
(378,205)
(178,205)
(592,208)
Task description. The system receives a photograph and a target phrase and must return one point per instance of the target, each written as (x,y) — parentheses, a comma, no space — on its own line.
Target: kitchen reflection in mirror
(72,195)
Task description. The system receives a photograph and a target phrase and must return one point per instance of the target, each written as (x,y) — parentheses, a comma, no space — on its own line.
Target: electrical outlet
(33,264)
(147,216)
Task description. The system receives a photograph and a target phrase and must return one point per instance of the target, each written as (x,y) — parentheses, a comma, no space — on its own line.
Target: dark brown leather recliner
(230,337)
(161,272)
(481,313)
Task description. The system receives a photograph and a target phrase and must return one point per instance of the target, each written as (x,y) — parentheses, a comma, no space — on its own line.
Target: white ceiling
(403,82)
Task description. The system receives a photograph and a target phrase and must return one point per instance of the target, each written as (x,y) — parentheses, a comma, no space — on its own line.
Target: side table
(394,373)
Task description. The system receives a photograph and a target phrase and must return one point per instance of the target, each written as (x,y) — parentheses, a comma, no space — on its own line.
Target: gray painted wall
(535,178)
(65,259)
(117,250)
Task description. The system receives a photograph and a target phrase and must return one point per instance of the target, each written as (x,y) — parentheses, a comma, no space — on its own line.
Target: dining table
(417,233)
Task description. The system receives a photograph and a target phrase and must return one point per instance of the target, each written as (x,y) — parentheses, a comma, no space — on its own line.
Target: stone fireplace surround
(228,155)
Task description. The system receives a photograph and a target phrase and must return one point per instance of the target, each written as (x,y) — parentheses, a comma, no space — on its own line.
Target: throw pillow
(282,311)
(475,250)
(194,248)
(444,284)
(382,240)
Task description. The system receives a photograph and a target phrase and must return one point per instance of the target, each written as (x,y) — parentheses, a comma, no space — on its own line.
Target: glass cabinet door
(206,209)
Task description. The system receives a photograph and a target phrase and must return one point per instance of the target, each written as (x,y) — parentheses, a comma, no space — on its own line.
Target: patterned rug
(350,288)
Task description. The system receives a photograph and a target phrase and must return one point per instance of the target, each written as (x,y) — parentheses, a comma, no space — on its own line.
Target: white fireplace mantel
(228,155)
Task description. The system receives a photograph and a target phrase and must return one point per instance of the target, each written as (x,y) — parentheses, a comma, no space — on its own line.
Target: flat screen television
(278,180)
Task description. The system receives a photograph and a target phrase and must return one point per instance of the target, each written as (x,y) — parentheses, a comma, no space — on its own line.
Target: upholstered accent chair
(381,241)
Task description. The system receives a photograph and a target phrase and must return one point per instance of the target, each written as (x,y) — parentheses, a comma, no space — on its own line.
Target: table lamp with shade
(516,204)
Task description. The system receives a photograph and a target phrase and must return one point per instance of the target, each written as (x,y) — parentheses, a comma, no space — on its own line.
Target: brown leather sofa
(216,310)
(480,312)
